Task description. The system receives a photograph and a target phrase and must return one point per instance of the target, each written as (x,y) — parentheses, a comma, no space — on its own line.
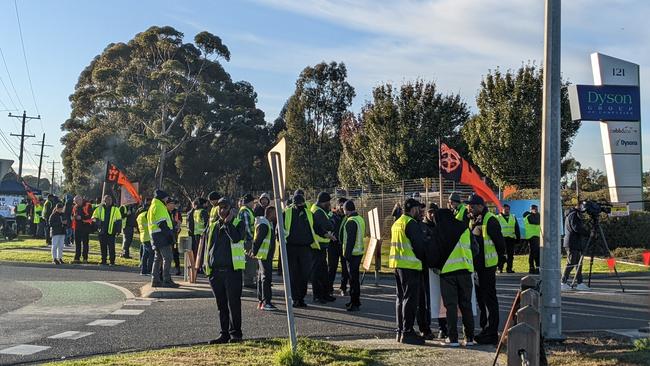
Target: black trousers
(319,273)
(21,225)
(107,247)
(334,254)
(488,304)
(424,305)
(510,254)
(264,279)
(456,291)
(533,257)
(81,237)
(227,288)
(573,257)
(176,254)
(353,263)
(408,294)
(300,263)
(127,239)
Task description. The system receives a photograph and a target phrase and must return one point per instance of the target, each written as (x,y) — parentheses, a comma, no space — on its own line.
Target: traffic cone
(646,258)
(611,263)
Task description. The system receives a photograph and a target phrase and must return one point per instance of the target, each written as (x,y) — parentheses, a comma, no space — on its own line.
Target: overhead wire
(7,144)
(11,81)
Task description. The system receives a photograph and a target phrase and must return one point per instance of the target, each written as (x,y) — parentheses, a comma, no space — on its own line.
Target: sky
(452,42)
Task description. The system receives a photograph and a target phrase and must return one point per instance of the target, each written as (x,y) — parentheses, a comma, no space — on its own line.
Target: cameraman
(575,231)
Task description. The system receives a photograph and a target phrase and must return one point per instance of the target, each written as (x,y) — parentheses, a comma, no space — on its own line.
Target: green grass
(259,352)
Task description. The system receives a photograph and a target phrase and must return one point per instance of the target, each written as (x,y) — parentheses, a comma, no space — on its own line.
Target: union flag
(115,175)
(29,192)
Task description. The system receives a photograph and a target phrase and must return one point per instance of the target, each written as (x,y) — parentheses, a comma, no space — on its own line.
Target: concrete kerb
(186,291)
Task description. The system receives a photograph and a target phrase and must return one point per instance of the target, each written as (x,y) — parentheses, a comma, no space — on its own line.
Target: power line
(11,81)
(7,144)
(22,43)
(8,94)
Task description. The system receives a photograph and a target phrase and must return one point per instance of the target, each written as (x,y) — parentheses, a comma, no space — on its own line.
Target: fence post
(530,297)
(523,344)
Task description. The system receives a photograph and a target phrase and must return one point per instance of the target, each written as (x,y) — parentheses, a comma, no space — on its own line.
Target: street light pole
(550,193)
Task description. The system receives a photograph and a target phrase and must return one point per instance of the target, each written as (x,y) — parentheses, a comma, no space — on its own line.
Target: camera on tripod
(594,208)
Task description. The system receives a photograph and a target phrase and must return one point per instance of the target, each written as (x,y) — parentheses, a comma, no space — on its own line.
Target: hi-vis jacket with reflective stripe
(401,253)
(263,252)
(288,215)
(490,251)
(461,257)
(236,248)
(359,245)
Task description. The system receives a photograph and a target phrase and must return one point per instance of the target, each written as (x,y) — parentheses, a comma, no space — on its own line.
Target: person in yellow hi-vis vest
(264,250)
(353,249)
(225,259)
(532,221)
(214,197)
(405,256)
(108,220)
(486,232)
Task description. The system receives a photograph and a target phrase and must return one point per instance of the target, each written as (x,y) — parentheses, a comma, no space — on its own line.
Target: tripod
(590,248)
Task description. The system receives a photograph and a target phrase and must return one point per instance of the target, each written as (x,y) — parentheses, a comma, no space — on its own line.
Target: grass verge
(597,350)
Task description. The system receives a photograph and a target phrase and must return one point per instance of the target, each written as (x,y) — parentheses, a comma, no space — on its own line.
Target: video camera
(594,209)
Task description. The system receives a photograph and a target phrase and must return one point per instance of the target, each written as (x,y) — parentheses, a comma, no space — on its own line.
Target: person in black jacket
(486,290)
(323,228)
(58,227)
(262,203)
(335,251)
(353,261)
(299,253)
(575,233)
(427,223)
(264,225)
(225,280)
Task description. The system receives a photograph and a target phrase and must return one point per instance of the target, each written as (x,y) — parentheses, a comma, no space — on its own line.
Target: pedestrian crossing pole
(276,160)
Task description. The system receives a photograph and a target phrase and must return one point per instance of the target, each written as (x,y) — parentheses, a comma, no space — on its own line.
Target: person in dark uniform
(424,307)
(197,222)
(264,250)
(335,251)
(300,242)
(575,233)
(224,264)
(177,221)
(406,257)
(354,233)
(510,232)
(486,233)
(323,228)
(128,228)
(459,208)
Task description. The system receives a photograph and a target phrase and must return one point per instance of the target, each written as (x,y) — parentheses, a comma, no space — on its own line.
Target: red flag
(611,263)
(115,175)
(455,168)
(646,257)
(29,192)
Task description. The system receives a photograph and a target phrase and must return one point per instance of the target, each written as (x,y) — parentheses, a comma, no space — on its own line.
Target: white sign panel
(125,196)
(621,137)
(438,309)
(7,205)
(609,70)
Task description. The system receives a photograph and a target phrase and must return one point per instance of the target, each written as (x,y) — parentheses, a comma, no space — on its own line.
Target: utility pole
(52,183)
(40,161)
(551,311)
(22,139)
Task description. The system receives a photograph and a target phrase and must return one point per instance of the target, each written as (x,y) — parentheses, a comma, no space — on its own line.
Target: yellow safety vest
(401,253)
(199,226)
(38,209)
(507,226)
(288,214)
(461,257)
(236,250)
(214,213)
(156,214)
(263,252)
(21,210)
(251,217)
(319,239)
(143,227)
(113,216)
(531,229)
(460,215)
(359,244)
(489,250)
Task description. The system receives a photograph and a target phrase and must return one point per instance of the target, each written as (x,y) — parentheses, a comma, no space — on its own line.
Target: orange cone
(611,263)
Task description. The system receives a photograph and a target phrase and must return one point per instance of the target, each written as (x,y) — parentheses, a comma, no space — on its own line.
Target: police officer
(224,263)
(406,255)
(510,232)
(459,208)
(353,249)
(264,250)
(335,251)
(247,217)
(299,230)
(532,231)
(323,228)
(108,219)
(162,240)
(486,232)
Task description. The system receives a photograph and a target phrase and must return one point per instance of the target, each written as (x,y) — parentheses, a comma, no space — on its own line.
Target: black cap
(432,207)
(349,206)
(160,194)
(224,201)
(299,191)
(248,198)
(533,206)
(324,197)
(298,199)
(214,196)
(475,199)
(341,200)
(410,203)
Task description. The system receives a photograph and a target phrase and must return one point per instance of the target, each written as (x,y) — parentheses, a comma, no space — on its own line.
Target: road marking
(137,302)
(73,334)
(106,322)
(127,312)
(23,350)
(129,295)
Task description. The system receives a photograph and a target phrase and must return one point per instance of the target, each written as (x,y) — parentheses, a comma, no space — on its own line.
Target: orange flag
(115,175)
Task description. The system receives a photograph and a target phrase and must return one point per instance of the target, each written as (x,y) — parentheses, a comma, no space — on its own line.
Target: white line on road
(127,312)
(137,303)
(106,322)
(23,350)
(73,334)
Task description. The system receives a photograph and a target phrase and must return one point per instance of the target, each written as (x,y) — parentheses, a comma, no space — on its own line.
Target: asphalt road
(190,321)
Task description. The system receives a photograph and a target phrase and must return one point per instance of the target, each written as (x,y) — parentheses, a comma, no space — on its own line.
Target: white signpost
(621,139)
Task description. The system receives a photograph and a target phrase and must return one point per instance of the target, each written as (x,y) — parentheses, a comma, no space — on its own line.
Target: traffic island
(185,291)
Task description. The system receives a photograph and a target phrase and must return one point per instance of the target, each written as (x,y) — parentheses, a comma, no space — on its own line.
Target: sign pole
(550,192)
(277,194)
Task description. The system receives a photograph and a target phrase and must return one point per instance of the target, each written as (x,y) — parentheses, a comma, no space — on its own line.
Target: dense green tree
(590,180)
(397,134)
(313,120)
(504,138)
(32,182)
(166,111)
